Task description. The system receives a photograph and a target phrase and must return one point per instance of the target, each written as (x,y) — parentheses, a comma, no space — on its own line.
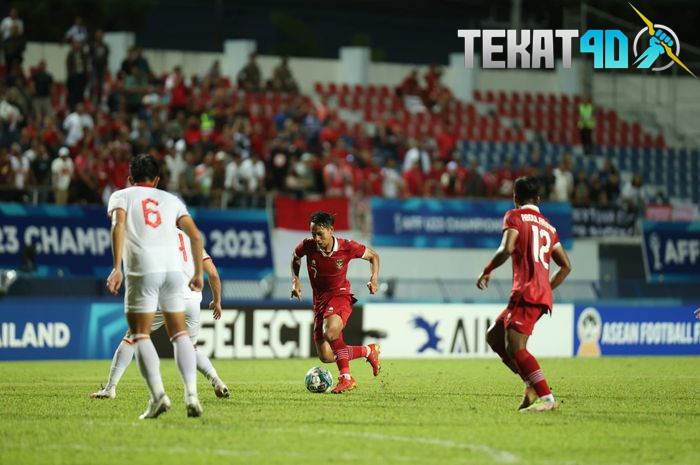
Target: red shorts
(521,316)
(340,305)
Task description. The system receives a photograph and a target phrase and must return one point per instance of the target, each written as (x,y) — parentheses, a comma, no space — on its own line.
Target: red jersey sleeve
(512,220)
(356,250)
(301,249)
(555,238)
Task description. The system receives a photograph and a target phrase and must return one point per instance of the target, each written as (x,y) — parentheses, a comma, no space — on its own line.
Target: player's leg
(343,306)
(496,339)
(172,302)
(120,360)
(325,353)
(323,348)
(148,362)
(141,301)
(516,345)
(333,335)
(204,365)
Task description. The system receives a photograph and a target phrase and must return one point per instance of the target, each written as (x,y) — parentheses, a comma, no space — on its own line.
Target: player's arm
(215,286)
(503,253)
(373,258)
(296,283)
(114,280)
(562,260)
(186,224)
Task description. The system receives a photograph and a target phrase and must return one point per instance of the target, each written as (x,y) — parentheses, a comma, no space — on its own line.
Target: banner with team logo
(47,329)
(672,251)
(72,240)
(457,330)
(452,223)
(636,330)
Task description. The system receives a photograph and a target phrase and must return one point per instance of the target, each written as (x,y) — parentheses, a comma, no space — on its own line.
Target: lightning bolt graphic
(669,52)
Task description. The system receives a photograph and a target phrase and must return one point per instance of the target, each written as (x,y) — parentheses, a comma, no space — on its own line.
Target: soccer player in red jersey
(327,259)
(531,241)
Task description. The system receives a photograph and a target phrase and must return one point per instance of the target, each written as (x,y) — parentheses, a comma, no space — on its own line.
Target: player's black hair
(324,219)
(144,168)
(527,190)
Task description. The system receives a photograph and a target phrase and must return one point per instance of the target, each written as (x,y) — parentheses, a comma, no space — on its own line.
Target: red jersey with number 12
(533,251)
(328,271)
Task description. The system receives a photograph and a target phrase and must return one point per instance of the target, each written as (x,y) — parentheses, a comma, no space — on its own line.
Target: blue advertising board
(42,329)
(635,330)
(74,240)
(452,223)
(672,251)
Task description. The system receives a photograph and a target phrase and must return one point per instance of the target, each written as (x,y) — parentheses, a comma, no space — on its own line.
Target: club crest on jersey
(339,263)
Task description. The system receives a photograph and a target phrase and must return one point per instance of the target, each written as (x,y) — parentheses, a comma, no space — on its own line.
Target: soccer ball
(318,380)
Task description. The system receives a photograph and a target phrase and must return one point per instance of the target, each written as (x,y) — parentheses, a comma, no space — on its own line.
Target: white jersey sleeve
(116,201)
(188,264)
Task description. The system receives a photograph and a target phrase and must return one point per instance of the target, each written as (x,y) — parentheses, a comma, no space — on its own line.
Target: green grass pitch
(615,411)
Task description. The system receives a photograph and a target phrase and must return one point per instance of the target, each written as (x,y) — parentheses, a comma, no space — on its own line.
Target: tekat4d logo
(610,47)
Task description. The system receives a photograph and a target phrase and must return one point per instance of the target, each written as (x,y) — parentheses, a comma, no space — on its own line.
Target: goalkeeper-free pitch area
(615,411)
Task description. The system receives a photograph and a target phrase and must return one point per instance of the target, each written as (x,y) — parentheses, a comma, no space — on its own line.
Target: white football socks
(186,362)
(149,364)
(205,367)
(122,358)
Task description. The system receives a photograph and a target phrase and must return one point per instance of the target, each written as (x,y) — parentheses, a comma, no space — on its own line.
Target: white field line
(499,455)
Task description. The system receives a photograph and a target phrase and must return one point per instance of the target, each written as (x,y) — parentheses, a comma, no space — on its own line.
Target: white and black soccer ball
(318,380)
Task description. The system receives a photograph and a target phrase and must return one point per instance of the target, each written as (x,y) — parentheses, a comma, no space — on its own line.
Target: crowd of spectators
(223,145)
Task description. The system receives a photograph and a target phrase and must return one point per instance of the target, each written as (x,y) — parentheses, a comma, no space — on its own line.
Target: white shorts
(153,291)
(192,311)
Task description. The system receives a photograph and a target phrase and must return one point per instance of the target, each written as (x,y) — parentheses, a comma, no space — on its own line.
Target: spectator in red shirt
(118,167)
(372,175)
(414,180)
(504,180)
(338,178)
(446,141)
(52,136)
(330,132)
(433,185)
(193,133)
(409,86)
(432,77)
(176,86)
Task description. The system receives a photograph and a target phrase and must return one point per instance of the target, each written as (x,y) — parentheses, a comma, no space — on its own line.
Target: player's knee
(331,334)
(513,346)
(491,339)
(326,358)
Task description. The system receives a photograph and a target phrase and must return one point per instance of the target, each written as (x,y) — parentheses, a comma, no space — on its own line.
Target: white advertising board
(459,330)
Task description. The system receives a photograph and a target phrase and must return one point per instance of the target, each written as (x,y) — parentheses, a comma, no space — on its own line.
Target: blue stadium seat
(634,164)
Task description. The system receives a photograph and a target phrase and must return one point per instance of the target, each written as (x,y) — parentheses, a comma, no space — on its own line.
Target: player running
(531,241)
(125,351)
(144,234)
(327,259)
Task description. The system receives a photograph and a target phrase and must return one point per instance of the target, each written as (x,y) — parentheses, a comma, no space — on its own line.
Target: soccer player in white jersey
(144,236)
(125,351)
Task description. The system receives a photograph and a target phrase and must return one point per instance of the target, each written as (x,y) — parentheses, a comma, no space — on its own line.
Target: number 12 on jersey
(540,250)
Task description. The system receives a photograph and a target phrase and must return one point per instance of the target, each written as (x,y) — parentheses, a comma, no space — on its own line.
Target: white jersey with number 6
(151,244)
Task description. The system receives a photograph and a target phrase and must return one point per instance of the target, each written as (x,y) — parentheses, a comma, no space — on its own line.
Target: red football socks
(344,353)
(358,351)
(530,371)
